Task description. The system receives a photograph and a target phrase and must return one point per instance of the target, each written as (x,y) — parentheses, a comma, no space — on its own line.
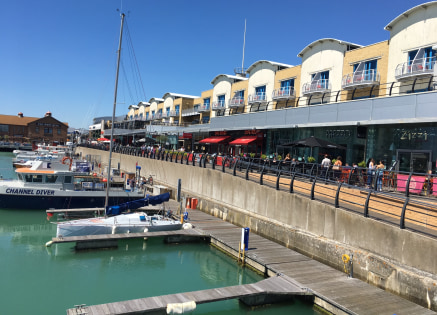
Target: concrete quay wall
(396,260)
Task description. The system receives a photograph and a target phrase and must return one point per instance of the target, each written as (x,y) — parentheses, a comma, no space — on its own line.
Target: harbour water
(40,280)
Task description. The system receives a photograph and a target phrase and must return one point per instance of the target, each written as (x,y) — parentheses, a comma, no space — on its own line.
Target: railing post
(292,182)
(261,176)
(407,186)
(247,169)
(366,204)
(277,180)
(171,157)
(204,157)
(234,170)
(313,186)
(404,209)
(337,195)
(176,157)
(223,164)
(213,162)
(194,160)
(182,157)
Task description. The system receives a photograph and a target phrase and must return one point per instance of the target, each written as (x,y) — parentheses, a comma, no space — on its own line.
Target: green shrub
(311,159)
(362,164)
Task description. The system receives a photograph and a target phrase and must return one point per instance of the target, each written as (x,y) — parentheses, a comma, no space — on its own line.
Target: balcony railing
(219,105)
(190,112)
(418,68)
(285,93)
(236,102)
(257,98)
(360,79)
(204,108)
(157,116)
(174,113)
(316,87)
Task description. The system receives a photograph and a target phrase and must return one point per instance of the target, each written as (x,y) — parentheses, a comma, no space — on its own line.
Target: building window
(167,111)
(287,84)
(59,131)
(422,55)
(4,128)
(221,100)
(176,108)
(206,102)
(147,116)
(48,131)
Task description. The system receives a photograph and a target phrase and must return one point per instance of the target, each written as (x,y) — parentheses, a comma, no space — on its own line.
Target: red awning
(243,140)
(215,139)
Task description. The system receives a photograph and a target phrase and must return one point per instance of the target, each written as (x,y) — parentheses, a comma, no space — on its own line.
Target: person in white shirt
(326,163)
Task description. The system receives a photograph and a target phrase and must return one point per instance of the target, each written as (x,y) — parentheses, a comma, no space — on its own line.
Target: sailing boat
(122,223)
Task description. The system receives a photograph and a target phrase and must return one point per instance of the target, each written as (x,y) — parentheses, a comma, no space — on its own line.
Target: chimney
(48,114)
(20,114)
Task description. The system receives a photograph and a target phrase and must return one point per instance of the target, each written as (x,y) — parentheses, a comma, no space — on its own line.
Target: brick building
(32,129)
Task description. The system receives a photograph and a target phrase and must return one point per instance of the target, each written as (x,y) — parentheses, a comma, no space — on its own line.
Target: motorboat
(53,185)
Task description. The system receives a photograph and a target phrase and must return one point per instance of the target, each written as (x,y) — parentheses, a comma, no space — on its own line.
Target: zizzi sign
(412,135)
(24,191)
(338,133)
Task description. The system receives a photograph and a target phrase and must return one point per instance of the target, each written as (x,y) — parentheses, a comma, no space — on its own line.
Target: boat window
(20,176)
(33,178)
(67,179)
(51,178)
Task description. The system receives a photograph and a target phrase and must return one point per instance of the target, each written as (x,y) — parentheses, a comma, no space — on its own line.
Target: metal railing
(407,200)
(259,97)
(317,86)
(218,105)
(419,67)
(284,93)
(360,78)
(236,102)
(190,112)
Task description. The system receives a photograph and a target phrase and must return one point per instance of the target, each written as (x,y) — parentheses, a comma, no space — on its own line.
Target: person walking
(325,165)
(337,168)
(380,174)
(370,172)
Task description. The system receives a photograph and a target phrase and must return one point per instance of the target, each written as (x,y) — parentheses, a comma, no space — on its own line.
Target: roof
(156,99)
(179,95)
(133,106)
(270,62)
(407,13)
(319,41)
(144,104)
(232,77)
(16,120)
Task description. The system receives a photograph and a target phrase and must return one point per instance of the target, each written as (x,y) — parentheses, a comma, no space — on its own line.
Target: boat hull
(43,199)
(100,226)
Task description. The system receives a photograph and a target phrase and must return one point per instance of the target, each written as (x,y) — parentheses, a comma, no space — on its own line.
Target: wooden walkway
(332,289)
(272,287)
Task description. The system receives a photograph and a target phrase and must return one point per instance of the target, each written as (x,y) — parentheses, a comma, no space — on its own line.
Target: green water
(40,280)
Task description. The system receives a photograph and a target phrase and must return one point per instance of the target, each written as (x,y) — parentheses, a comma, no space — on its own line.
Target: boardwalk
(332,289)
(280,286)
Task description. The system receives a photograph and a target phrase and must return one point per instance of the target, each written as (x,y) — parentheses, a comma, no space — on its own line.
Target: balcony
(236,102)
(157,116)
(284,93)
(316,87)
(360,79)
(419,68)
(174,113)
(257,98)
(190,112)
(219,105)
(204,108)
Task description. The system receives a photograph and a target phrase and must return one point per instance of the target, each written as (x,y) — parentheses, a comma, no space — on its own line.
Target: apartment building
(375,101)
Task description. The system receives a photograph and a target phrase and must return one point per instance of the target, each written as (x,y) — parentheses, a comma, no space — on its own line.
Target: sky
(60,56)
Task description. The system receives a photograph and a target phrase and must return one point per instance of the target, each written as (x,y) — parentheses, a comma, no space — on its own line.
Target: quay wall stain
(395,260)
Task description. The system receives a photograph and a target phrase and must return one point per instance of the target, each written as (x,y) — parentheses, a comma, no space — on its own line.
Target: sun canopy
(215,139)
(314,142)
(243,140)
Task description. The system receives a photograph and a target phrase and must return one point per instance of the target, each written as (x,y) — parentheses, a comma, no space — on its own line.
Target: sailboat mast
(244,45)
(113,113)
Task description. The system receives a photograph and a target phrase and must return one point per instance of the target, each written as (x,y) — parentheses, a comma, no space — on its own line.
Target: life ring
(65,158)
(345,258)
